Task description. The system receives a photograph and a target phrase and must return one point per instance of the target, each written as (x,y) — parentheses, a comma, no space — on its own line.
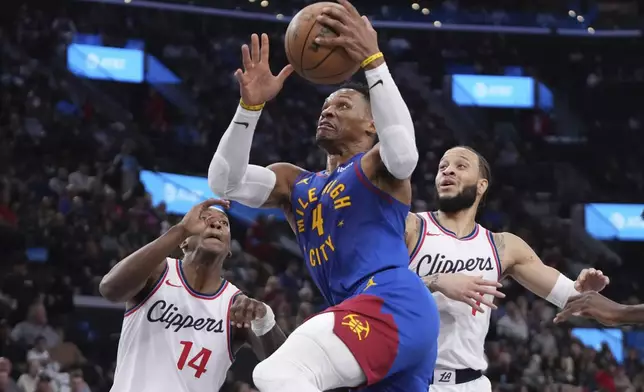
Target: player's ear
(481,186)
(371,131)
(183,246)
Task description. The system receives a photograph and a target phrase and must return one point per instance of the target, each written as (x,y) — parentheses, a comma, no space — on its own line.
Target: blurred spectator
(512,325)
(28,381)
(34,327)
(78,384)
(7,383)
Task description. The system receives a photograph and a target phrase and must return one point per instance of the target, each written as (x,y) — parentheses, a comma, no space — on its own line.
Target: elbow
(218,176)
(216,187)
(398,151)
(404,165)
(109,291)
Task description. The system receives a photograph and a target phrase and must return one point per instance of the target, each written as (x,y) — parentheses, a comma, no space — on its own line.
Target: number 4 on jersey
(317,223)
(198,362)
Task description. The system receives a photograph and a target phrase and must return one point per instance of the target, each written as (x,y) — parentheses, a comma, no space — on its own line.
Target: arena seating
(72,203)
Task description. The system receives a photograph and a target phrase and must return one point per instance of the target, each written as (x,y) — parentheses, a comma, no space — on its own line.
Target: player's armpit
(523,264)
(147,287)
(412,226)
(285,174)
(375,170)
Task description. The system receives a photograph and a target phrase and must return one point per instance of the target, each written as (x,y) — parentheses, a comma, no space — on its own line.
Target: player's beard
(462,201)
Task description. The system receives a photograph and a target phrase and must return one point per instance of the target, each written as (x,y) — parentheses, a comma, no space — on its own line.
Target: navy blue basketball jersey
(347,228)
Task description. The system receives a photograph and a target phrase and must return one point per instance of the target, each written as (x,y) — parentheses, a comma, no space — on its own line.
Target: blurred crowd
(72,205)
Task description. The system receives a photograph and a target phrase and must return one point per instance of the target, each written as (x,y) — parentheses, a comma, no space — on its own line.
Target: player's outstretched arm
(523,264)
(593,305)
(130,276)
(230,175)
(394,126)
(254,323)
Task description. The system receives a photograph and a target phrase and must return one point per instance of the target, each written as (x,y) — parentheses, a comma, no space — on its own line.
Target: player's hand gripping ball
(244,310)
(355,33)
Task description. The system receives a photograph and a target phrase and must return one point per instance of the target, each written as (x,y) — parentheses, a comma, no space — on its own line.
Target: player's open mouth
(325,126)
(212,237)
(447,183)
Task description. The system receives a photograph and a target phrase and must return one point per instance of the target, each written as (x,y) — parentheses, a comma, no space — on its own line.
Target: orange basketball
(315,63)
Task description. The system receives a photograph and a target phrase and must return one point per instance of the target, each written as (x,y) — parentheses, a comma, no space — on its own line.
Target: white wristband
(261,326)
(563,289)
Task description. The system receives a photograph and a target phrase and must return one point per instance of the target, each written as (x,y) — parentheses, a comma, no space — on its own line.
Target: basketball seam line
(321,61)
(306,39)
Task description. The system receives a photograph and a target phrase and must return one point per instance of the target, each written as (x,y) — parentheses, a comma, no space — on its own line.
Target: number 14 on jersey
(197,362)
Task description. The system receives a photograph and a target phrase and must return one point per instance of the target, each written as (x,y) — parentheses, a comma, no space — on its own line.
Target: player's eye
(462,166)
(344,106)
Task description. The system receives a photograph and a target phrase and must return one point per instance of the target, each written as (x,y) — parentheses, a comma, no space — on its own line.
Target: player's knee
(273,373)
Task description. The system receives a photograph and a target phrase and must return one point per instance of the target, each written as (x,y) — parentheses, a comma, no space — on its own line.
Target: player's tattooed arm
(520,261)
(523,264)
(472,290)
(499,243)
(431,282)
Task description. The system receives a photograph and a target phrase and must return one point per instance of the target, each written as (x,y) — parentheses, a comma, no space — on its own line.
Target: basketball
(313,62)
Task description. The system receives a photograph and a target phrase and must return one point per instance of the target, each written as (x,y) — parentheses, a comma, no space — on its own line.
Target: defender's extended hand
(593,305)
(244,310)
(257,84)
(468,289)
(194,222)
(355,33)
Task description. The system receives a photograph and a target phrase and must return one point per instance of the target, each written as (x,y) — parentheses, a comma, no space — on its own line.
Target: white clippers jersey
(462,330)
(176,339)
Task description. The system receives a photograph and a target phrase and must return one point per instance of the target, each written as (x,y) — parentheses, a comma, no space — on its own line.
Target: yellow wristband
(371,59)
(254,108)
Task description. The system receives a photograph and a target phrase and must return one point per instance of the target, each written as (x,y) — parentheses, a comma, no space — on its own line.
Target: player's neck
(461,223)
(203,272)
(335,160)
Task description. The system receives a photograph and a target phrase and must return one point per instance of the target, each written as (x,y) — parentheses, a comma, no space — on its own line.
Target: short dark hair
(361,88)
(484,166)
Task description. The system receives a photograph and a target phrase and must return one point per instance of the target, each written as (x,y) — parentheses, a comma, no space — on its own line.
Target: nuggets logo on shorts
(357,326)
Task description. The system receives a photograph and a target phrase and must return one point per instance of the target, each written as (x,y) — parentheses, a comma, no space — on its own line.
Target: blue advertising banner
(180,192)
(100,62)
(493,91)
(607,221)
